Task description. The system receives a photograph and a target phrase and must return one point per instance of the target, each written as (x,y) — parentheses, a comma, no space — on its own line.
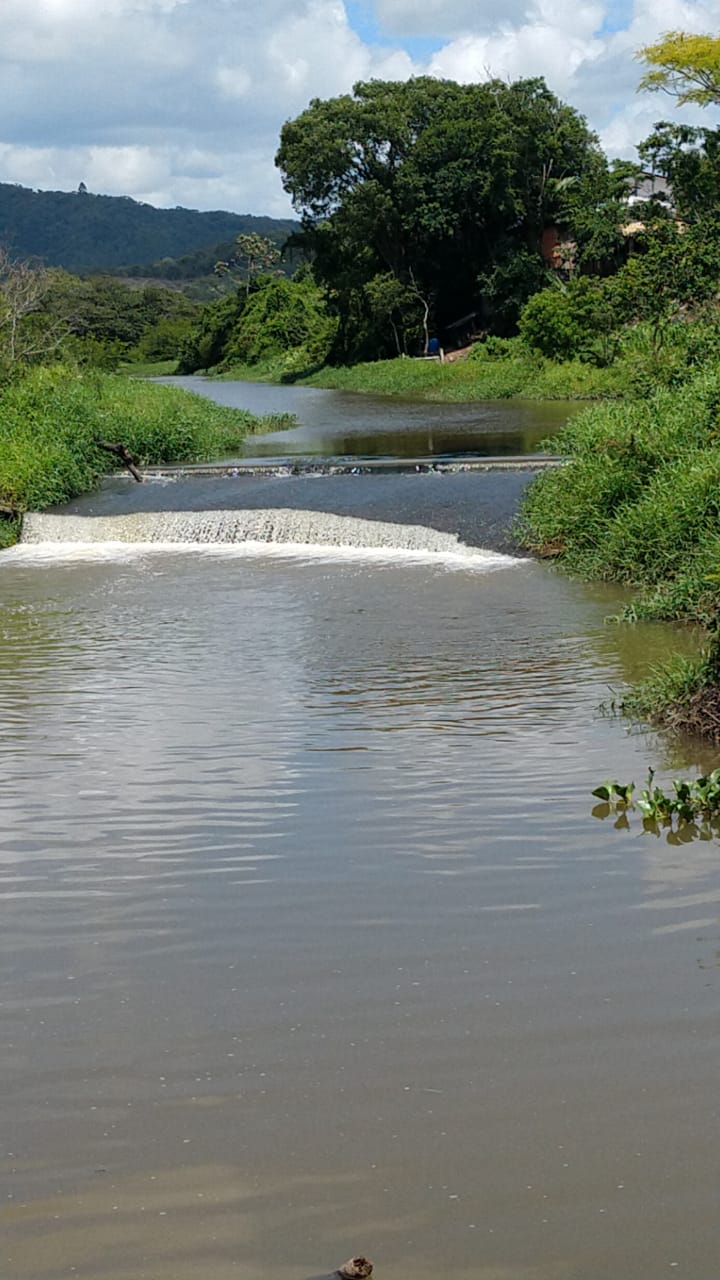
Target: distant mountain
(84,232)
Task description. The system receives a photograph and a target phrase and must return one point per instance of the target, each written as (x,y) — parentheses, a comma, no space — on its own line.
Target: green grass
(639,499)
(51,419)
(671,685)
(504,368)
(156,369)
(520,375)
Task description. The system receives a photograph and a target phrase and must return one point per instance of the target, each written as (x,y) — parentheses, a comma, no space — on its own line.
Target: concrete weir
(450,512)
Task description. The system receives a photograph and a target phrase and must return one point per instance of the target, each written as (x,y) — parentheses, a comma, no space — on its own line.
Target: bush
(579,319)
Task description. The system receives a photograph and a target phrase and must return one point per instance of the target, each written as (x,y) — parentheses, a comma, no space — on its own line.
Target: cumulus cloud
(438,18)
(181,101)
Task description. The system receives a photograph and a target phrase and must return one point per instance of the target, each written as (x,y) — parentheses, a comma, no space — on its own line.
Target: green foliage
(685,66)
(252,255)
(206,345)
(497,369)
(95,353)
(689,158)
(638,500)
(86,232)
(110,311)
(677,810)
(617,792)
(277,317)
(581,318)
(281,316)
(162,341)
(661,287)
(596,213)
(677,271)
(508,285)
(51,419)
(435,185)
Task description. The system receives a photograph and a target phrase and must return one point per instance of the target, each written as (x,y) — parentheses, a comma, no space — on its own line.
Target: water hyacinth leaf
(620,792)
(624,791)
(685,812)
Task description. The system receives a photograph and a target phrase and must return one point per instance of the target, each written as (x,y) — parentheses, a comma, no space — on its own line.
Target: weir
(463,516)
(295,532)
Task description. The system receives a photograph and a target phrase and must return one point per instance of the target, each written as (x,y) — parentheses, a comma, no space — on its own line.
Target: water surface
(309,945)
(343,422)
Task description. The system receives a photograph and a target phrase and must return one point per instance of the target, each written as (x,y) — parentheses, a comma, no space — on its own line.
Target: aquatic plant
(689,800)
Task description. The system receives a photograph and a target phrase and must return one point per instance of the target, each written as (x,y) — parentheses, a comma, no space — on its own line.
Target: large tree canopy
(431,184)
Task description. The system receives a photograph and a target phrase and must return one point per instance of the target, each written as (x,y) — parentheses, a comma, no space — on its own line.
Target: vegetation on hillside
(50,314)
(85,232)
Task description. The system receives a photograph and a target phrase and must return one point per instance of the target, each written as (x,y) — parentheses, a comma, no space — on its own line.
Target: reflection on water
(340,422)
(309,947)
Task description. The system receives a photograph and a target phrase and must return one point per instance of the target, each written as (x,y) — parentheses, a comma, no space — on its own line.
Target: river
(340,422)
(310,945)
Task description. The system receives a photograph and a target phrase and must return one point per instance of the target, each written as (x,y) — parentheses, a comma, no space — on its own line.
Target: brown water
(342,422)
(309,945)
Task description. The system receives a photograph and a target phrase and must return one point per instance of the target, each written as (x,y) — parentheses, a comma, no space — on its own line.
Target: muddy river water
(309,943)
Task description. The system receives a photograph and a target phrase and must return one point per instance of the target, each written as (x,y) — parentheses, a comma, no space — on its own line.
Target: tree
(253,255)
(677,272)
(685,66)
(27,333)
(690,160)
(430,183)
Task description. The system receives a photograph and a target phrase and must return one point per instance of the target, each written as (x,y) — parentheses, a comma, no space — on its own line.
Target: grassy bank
(475,378)
(639,503)
(51,420)
(505,368)
(152,369)
(464,380)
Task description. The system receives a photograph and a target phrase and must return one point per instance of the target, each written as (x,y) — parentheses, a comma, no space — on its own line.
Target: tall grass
(51,420)
(638,500)
(483,375)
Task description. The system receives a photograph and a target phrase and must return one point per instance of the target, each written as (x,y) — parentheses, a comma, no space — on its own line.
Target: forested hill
(85,232)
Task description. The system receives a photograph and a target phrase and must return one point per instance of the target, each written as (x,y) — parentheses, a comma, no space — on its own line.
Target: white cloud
(181,101)
(439,18)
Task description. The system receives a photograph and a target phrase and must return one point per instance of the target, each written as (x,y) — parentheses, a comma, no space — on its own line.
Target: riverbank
(52,419)
(637,503)
(488,373)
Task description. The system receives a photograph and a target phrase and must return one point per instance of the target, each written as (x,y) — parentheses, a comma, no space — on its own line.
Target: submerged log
(123,453)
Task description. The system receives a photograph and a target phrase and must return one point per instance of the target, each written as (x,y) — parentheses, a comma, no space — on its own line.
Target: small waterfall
(289,531)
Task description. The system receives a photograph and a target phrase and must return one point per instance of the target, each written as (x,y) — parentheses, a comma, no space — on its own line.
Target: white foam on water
(267,532)
(37,553)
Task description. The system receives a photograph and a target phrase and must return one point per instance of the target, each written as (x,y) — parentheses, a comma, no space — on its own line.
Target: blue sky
(363,20)
(618,16)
